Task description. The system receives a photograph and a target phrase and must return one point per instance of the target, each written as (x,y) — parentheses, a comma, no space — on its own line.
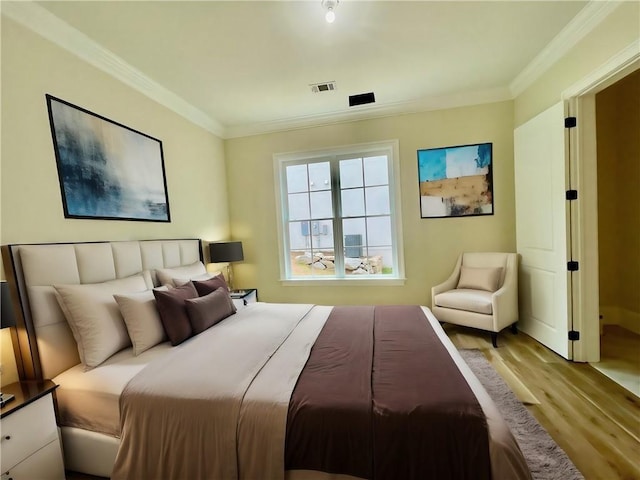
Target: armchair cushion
(478,301)
(478,278)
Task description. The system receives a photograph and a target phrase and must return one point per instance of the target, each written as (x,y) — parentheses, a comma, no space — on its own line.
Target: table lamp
(220,252)
(7,319)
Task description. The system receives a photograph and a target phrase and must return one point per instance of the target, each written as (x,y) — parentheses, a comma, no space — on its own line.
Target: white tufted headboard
(44,346)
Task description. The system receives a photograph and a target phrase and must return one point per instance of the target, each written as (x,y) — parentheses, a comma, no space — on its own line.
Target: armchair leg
(494,339)
(514,328)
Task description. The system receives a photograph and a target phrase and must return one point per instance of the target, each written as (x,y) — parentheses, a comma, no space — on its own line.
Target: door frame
(583,171)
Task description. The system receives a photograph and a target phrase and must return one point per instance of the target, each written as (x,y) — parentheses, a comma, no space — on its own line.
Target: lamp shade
(8,314)
(226,252)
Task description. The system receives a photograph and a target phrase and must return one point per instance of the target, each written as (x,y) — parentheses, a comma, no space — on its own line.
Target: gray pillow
(206,311)
(173,312)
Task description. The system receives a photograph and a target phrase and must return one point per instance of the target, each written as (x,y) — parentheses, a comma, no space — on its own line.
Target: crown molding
(620,65)
(47,25)
(580,26)
(366,112)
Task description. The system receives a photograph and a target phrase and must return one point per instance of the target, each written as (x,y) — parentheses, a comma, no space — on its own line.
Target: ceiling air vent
(323,87)
(361,99)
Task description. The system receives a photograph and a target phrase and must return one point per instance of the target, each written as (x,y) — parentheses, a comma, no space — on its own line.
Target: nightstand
(242,298)
(29,444)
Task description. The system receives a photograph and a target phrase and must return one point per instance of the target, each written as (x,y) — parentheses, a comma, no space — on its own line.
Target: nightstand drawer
(27,430)
(45,464)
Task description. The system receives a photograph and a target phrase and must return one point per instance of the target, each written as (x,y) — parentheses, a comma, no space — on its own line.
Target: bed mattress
(89,399)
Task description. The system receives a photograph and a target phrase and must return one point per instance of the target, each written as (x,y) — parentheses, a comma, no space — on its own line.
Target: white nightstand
(242,298)
(29,444)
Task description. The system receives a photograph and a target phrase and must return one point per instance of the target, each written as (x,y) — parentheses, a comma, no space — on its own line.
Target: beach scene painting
(106,170)
(456,181)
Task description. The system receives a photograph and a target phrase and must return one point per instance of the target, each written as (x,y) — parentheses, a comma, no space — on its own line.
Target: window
(340,217)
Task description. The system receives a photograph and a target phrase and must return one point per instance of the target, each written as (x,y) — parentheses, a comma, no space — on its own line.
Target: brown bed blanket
(381,398)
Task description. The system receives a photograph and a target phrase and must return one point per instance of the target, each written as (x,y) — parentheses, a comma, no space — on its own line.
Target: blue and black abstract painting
(106,170)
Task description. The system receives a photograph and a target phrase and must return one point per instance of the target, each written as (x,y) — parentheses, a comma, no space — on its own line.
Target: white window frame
(388,147)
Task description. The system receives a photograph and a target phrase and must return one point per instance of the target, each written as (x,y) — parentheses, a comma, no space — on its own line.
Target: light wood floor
(620,357)
(593,419)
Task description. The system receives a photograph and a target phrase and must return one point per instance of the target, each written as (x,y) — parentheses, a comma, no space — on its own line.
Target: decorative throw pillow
(142,319)
(173,313)
(479,278)
(177,281)
(166,275)
(208,310)
(204,287)
(94,316)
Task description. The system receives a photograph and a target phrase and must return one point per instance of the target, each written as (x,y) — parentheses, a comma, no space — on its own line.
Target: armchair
(482,292)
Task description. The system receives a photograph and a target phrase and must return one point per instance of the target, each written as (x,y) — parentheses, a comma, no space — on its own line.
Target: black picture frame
(106,170)
(456,181)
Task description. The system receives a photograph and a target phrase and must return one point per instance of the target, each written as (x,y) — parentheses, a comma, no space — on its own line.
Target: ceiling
(247,66)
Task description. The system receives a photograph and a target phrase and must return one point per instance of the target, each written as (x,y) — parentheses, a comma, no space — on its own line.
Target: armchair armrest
(505,300)
(449,284)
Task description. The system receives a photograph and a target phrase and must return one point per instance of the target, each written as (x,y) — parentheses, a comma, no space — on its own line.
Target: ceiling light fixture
(330,6)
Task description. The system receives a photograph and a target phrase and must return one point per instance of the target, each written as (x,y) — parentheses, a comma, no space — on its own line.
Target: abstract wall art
(106,170)
(456,181)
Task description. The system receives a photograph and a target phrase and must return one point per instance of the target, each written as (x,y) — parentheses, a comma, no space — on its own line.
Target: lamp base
(229,277)
(5,398)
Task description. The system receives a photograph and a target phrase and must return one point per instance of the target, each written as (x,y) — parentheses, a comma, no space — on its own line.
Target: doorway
(583,171)
(618,178)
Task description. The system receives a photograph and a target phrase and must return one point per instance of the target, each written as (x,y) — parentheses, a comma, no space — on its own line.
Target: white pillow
(166,275)
(94,316)
(204,276)
(478,278)
(142,319)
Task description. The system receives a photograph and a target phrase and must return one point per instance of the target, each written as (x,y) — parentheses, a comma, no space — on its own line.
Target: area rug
(546,460)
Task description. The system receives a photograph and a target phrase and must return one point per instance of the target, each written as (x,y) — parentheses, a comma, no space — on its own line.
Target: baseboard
(614,315)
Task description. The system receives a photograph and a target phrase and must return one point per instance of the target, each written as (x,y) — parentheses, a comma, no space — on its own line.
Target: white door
(541,229)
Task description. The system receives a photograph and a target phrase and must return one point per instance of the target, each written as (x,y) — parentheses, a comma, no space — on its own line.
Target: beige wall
(431,246)
(618,139)
(31,205)
(616,32)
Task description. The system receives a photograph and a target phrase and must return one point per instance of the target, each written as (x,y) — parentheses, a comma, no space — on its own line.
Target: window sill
(343,282)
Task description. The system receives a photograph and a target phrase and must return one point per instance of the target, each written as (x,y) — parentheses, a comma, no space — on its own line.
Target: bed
(271,391)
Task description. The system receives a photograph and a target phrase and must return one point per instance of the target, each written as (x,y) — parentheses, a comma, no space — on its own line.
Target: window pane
(378,201)
(311,248)
(381,260)
(299,235)
(376,171)
(322,233)
(321,205)
(300,262)
(351,173)
(379,231)
(297,178)
(352,202)
(319,176)
(355,237)
(298,206)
